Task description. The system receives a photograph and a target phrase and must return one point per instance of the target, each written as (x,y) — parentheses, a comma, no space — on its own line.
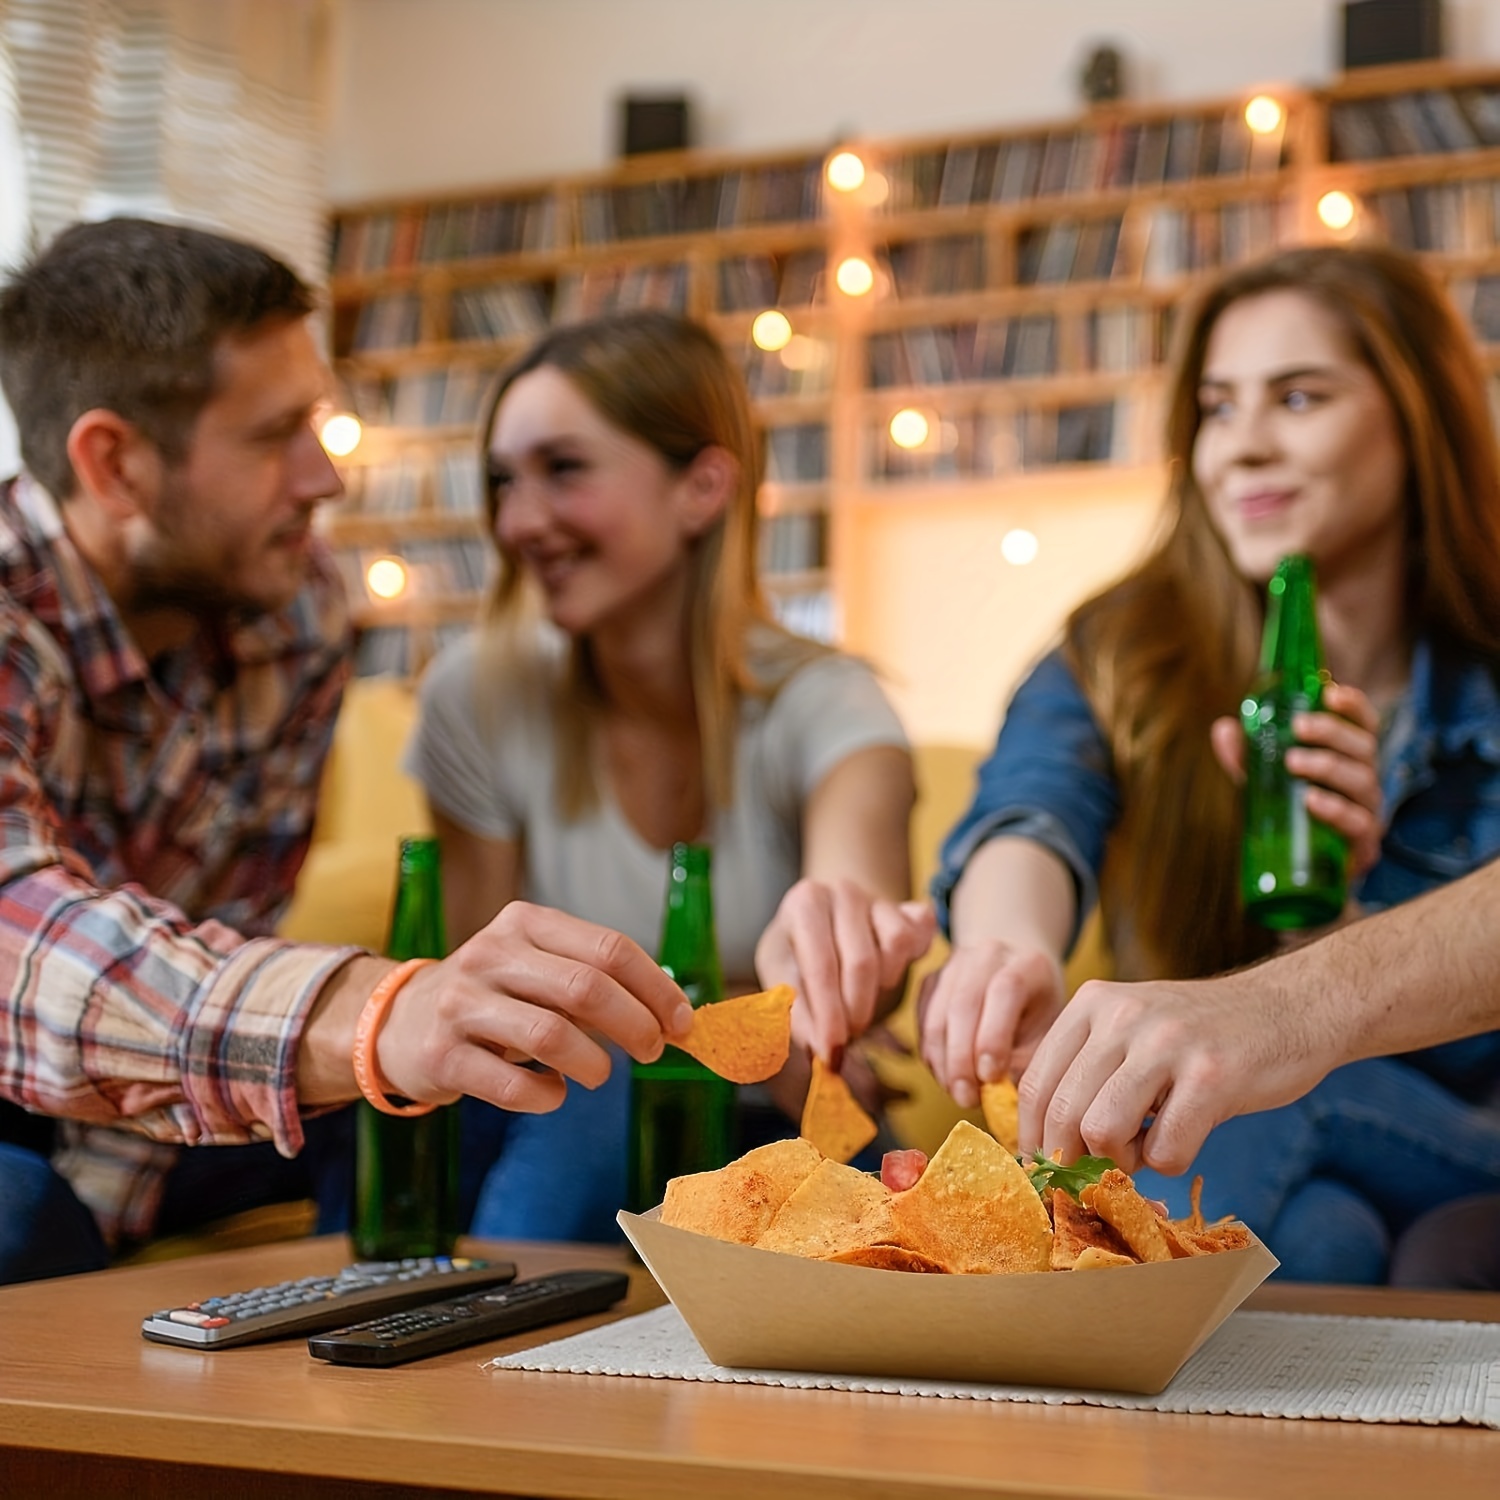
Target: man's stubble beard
(163,573)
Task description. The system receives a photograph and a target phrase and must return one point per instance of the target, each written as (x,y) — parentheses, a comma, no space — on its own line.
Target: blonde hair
(666,381)
(1171,647)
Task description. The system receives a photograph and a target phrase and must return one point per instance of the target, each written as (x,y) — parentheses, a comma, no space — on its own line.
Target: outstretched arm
(534,986)
(844,935)
(985,1010)
(1190,1055)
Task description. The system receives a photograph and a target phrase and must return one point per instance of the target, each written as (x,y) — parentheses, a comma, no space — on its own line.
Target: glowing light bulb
(855,276)
(340,433)
(771,330)
(1019,547)
(1263,114)
(1336,209)
(386,578)
(909,428)
(845,172)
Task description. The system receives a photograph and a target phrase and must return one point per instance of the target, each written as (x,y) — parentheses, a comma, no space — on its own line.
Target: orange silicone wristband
(367,1033)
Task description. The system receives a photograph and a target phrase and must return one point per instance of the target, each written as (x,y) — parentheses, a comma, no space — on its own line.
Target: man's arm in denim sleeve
(1050,778)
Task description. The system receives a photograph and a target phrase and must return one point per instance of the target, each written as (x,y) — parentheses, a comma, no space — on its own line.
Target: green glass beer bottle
(1294,869)
(406,1170)
(681,1114)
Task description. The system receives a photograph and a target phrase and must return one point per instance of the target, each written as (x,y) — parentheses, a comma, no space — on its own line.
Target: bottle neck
(1291,646)
(417,927)
(689,949)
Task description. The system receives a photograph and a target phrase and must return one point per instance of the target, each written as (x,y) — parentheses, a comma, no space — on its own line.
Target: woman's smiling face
(1298,447)
(589,510)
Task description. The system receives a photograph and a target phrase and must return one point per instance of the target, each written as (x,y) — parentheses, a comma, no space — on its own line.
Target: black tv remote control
(419,1331)
(315,1302)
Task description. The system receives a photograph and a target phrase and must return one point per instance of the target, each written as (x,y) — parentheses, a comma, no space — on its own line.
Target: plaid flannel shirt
(153,818)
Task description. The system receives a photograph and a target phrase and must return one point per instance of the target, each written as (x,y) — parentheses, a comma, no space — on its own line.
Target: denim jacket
(1051,778)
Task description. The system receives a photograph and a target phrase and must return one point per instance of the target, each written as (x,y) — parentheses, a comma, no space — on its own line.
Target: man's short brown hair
(127,315)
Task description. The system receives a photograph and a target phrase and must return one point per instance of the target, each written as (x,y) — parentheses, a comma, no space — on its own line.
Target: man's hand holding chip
(842,950)
(534,986)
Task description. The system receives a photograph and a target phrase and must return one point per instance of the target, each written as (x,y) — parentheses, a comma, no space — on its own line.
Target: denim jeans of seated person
(44,1229)
(209,1183)
(1331,1181)
(557,1176)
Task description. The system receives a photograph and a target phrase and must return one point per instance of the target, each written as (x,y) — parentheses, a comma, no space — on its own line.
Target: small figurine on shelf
(1103,77)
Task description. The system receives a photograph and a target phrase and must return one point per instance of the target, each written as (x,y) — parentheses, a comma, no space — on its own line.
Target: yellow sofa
(366,804)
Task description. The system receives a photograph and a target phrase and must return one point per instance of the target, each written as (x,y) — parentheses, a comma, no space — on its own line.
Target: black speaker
(657,122)
(1391,31)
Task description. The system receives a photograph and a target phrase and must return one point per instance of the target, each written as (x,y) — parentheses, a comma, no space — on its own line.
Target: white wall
(434,94)
(951,624)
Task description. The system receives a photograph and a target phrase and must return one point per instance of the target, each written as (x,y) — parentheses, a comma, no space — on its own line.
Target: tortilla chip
(1002,1113)
(738,1202)
(974,1209)
(1178,1241)
(836,1208)
(1116,1201)
(888,1258)
(832,1118)
(1076,1229)
(746,1039)
(1091,1258)
(1184,1241)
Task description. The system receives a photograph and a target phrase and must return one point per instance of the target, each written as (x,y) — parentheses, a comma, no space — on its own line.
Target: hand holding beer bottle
(1305,749)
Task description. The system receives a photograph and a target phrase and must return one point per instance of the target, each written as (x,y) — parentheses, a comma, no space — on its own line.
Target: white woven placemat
(1255,1365)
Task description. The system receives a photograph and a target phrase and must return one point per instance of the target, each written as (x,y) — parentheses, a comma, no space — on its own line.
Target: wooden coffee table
(89,1407)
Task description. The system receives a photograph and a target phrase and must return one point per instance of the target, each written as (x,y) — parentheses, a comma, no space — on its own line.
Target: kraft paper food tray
(1127,1328)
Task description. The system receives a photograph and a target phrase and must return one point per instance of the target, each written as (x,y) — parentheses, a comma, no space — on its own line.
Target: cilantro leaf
(1072,1178)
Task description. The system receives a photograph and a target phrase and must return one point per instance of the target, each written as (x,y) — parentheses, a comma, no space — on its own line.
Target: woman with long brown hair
(1326,401)
(633,690)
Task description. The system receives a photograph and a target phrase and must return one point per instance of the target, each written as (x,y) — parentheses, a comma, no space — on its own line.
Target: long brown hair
(1172,646)
(666,381)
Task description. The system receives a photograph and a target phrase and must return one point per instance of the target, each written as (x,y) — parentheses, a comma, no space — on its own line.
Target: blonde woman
(633,690)
(1326,401)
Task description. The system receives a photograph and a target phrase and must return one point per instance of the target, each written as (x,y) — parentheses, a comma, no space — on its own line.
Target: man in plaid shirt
(173,647)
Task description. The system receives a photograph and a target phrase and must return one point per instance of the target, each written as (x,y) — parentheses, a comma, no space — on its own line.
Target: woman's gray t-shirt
(490,767)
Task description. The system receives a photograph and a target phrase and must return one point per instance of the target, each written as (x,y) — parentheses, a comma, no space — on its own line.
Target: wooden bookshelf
(1025,283)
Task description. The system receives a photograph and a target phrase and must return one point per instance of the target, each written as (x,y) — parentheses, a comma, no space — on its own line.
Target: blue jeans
(44,1229)
(559,1176)
(213,1182)
(1330,1182)
(563,1176)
